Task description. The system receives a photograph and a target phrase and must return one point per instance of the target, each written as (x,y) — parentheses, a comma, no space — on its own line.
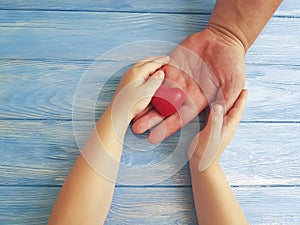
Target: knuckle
(134,70)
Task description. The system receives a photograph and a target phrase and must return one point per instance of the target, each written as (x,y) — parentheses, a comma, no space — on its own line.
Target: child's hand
(208,145)
(137,87)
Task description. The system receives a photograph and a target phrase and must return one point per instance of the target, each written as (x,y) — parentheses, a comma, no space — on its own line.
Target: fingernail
(218,109)
(160,74)
(165,58)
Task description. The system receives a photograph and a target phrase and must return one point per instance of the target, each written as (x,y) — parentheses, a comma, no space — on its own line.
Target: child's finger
(153,82)
(217,119)
(235,114)
(146,60)
(149,68)
(214,128)
(209,135)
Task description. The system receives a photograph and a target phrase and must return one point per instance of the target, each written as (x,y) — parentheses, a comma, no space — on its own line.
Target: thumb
(206,143)
(214,127)
(154,81)
(215,120)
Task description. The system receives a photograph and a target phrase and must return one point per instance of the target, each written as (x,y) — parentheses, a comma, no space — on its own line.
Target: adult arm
(242,20)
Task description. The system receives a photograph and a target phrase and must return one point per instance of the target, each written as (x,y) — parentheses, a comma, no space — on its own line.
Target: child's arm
(87,192)
(214,200)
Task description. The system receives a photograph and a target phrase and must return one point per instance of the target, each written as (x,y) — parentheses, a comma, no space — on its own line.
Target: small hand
(208,67)
(137,87)
(208,145)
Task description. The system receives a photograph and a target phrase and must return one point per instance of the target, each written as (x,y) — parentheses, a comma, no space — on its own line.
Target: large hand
(209,66)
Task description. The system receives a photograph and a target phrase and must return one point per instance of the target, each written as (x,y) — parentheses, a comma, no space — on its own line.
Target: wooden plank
(265,48)
(261,206)
(272,93)
(192,6)
(46,90)
(42,153)
(36,89)
(59,36)
(32,205)
(288,7)
(26,205)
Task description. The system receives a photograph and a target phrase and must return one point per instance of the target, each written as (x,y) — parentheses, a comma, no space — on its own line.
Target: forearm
(214,200)
(87,193)
(242,20)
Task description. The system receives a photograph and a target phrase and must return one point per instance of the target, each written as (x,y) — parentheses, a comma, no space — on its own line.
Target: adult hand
(209,66)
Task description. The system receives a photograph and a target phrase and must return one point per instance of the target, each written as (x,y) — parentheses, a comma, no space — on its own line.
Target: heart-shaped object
(167,100)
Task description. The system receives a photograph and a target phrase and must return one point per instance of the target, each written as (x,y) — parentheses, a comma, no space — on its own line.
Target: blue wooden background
(46,47)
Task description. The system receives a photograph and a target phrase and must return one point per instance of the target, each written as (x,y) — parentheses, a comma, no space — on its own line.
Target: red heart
(167,101)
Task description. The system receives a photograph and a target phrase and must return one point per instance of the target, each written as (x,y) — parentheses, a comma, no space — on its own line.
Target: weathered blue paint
(46,47)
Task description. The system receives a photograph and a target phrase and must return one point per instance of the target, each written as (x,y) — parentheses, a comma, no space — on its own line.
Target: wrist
(232,36)
(119,110)
(241,20)
(227,20)
(212,169)
(119,118)
(111,130)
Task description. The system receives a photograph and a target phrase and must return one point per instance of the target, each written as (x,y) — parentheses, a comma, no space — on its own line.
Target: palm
(208,68)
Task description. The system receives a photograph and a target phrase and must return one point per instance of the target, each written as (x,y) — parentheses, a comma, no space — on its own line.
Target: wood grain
(287,8)
(32,205)
(42,153)
(46,90)
(59,35)
(47,46)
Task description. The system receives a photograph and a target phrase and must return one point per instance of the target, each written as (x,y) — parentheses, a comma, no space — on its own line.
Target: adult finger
(235,114)
(187,112)
(171,124)
(228,94)
(146,121)
(141,114)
